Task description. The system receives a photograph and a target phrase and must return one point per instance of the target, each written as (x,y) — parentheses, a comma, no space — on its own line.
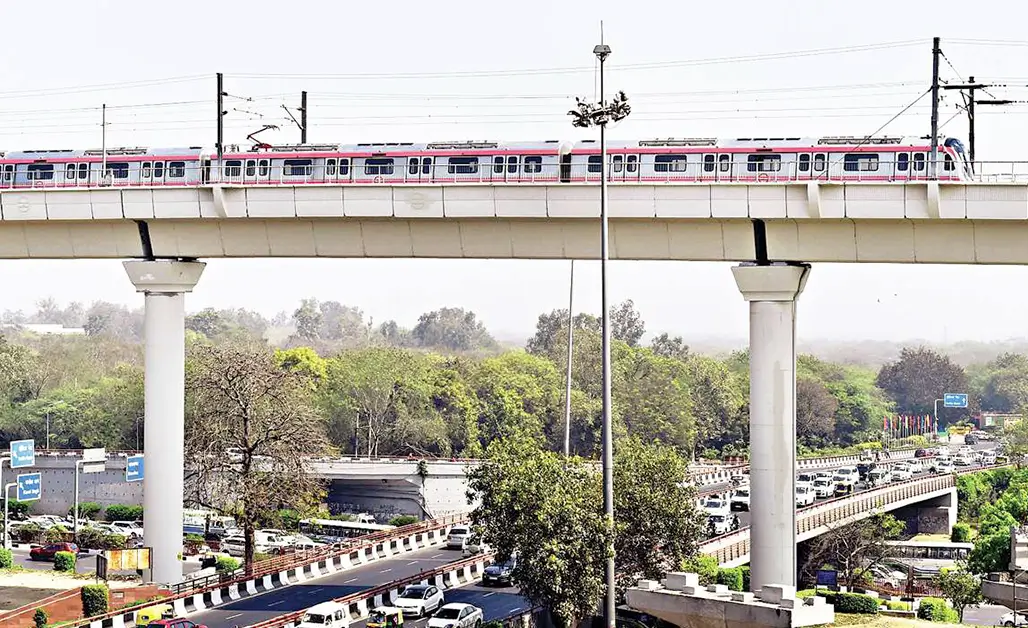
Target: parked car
(418,600)
(47,552)
(1009,619)
(457,616)
(458,534)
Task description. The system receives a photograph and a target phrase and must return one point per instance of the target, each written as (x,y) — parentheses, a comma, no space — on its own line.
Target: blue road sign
(23,453)
(134,468)
(30,486)
(955,400)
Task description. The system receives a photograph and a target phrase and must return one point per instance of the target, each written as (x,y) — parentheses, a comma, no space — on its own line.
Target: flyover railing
(357,603)
(736,545)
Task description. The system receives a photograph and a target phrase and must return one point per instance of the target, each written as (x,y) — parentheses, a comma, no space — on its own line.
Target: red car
(175,623)
(47,552)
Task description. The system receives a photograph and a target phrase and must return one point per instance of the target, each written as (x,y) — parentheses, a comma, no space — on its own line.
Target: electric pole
(968,90)
(936,53)
(303,117)
(221,121)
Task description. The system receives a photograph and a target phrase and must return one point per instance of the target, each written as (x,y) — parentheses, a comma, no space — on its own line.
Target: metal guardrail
(272,566)
(736,545)
(368,594)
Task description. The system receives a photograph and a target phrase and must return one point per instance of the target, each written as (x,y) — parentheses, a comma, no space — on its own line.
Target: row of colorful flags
(909,425)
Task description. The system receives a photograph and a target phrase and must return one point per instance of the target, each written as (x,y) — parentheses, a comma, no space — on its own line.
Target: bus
(203,521)
(332,531)
(931,550)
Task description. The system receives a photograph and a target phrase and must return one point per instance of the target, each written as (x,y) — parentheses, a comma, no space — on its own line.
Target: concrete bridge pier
(164,284)
(771,291)
(938,515)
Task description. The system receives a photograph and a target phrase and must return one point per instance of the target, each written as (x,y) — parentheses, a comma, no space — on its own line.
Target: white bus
(332,530)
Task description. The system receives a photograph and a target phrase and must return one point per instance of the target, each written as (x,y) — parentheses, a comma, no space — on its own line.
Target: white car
(804,496)
(721,523)
(1008,620)
(716,506)
(740,499)
(915,466)
(418,600)
(824,488)
(944,466)
(457,616)
(805,479)
(879,476)
(475,545)
(963,460)
(900,473)
(847,476)
(457,536)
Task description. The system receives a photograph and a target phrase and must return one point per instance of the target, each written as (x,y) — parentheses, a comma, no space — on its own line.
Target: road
(495,602)
(985,615)
(301,596)
(84,564)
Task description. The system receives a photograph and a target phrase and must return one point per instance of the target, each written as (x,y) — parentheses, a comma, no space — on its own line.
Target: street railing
(736,545)
(354,599)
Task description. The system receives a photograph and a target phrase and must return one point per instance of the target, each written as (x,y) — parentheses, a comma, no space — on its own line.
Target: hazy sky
(414,71)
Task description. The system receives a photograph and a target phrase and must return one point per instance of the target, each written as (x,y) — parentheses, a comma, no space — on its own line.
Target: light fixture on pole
(587,115)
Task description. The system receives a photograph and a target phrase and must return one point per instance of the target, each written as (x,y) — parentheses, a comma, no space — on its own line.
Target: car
(475,545)
(175,623)
(1008,620)
(804,496)
(48,551)
(971,439)
(722,523)
(716,506)
(944,466)
(500,573)
(418,600)
(128,528)
(842,489)
(900,474)
(457,615)
(455,539)
(326,615)
(963,460)
(846,475)
(922,453)
(879,477)
(740,499)
(824,488)
(805,479)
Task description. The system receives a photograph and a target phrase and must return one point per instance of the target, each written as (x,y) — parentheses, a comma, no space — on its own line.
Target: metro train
(748,159)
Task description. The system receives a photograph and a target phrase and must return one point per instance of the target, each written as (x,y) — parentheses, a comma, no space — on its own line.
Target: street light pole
(571,340)
(587,115)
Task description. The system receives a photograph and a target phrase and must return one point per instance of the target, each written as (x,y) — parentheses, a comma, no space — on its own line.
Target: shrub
(94,600)
(6,559)
(961,533)
(29,533)
(90,538)
(893,605)
(403,520)
(194,538)
(287,519)
(745,569)
(55,534)
(64,561)
(731,577)
(704,566)
(935,609)
(805,593)
(851,602)
(87,510)
(260,556)
(123,512)
(40,618)
(17,509)
(226,564)
(114,541)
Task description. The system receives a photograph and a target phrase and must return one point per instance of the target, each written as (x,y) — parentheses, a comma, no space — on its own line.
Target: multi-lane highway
(296,597)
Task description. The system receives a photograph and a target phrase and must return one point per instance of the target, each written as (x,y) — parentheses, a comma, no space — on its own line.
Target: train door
(205,170)
(724,167)
(419,169)
(565,168)
(617,168)
(803,164)
(7,176)
(250,171)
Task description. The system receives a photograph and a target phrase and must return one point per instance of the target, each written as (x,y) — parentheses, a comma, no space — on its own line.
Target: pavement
(496,602)
(985,615)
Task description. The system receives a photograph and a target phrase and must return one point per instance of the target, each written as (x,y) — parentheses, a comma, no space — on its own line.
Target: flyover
(775,228)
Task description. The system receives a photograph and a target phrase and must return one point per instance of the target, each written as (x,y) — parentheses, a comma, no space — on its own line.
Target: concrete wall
(58,479)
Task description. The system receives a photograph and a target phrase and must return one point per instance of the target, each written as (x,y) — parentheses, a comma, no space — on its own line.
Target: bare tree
(250,429)
(855,548)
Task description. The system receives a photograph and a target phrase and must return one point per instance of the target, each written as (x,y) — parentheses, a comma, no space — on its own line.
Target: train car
(68,168)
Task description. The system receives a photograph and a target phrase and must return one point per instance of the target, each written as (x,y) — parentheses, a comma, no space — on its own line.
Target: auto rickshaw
(152,613)
(386,617)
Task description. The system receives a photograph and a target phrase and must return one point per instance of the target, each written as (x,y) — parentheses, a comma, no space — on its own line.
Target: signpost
(93,461)
(950,400)
(30,488)
(23,453)
(134,468)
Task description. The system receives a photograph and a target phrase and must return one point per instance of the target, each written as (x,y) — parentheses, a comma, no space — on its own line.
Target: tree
(719,402)
(626,324)
(670,347)
(452,328)
(1005,387)
(307,319)
(960,587)
(855,548)
(1015,440)
(815,412)
(343,323)
(653,399)
(250,429)
(545,509)
(918,378)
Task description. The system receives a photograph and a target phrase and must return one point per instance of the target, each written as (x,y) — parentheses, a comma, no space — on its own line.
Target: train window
(764,163)
(377,166)
(804,163)
(330,167)
(145,170)
(632,163)
(497,165)
(903,162)
(251,167)
(158,170)
(414,164)
(83,171)
(724,163)
(463,165)
(533,164)
(947,163)
(860,162)
(595,163)
(70,172)
(8,172)
(708,163)
(618,163)
(669,163)
(819,162)
(344,167)
(233,168)
(176,169)
(264,167)
(304,167)
(426,165)
(919,162)
(512,165)
(40,172)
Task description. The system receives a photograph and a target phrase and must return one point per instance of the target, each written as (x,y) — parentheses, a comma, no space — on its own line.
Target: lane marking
(438,556)
(316,590)
(349,581)
(490,593)
(277,603)
(386,570)
(413,562)
(234,616)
